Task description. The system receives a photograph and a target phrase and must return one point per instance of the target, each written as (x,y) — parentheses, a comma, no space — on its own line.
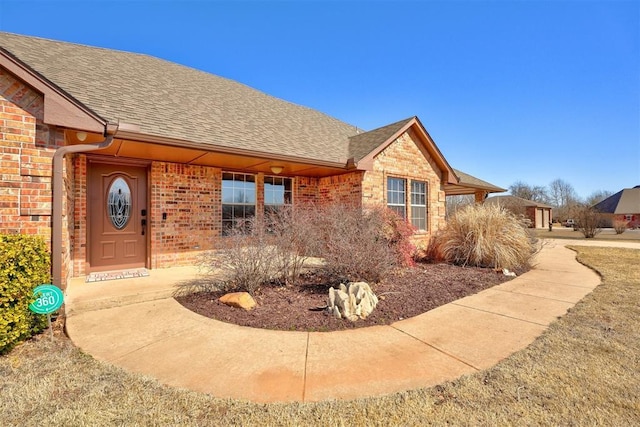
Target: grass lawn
(560,232)
(582,371)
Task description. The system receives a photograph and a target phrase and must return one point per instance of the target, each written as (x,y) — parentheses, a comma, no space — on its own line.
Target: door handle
(143,222)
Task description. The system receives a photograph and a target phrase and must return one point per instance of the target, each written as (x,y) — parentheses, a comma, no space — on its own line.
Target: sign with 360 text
(49,298)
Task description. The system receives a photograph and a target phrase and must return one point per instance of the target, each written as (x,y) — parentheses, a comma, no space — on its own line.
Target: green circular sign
(49,298)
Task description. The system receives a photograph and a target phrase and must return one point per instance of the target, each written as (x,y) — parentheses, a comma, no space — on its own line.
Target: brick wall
(407,158)
(344,189)
(27,146)
(305,190)
(78,238)
(190,196)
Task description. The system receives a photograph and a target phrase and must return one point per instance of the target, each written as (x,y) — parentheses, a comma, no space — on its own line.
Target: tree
(597,196)
(535,193)
(453,203)
(562,197)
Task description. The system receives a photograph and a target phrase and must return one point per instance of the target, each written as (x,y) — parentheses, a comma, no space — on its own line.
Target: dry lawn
(560,232)
(582,371)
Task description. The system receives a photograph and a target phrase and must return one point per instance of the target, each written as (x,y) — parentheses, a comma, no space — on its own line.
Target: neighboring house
(125,160)
(622,206)
(538,214)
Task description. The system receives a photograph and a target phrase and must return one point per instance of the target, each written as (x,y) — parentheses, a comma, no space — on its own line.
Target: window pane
(419,204)
(396,196)
(399,210)
(238,199)
(227,212)
(418,193)
(419,217)
(277,193)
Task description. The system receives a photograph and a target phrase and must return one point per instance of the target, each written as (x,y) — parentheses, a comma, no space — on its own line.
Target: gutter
(57,193)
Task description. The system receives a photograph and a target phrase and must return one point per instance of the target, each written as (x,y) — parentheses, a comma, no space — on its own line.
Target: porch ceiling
(457,190)
(461,190)
(125,148)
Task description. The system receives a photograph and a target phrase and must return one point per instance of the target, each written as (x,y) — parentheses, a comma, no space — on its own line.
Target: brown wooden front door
(117,217)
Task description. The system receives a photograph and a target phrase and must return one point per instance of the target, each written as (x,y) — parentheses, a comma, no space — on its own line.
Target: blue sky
(510,90)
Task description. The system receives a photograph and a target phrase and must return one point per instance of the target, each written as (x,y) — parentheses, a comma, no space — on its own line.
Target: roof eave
(128,132)
(462,189)
(366,163)
(60,109)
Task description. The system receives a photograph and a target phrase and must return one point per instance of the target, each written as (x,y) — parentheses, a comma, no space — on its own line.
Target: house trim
(366,163)
(60,109)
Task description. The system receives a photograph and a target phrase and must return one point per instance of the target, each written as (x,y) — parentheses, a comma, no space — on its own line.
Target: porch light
(277,169)
(81,136)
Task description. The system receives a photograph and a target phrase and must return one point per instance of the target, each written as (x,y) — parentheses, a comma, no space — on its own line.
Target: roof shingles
(170,100)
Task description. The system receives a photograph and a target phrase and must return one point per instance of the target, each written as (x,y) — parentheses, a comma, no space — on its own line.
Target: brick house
(123,160)
(538,214)
(624,206)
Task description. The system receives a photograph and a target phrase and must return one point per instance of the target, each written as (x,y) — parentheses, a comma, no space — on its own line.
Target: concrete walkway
(136,325)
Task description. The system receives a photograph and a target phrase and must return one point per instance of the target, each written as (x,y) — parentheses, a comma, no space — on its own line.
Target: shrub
(397,233)
(359,244)
(291,236)
(620,226)
(24,264)
(486,236)
(354,245)
(588,220)
(243,260)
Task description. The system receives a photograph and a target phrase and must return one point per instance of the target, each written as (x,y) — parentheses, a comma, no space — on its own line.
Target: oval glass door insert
(119,203)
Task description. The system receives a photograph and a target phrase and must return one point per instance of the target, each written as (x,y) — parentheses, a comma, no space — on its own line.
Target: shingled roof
(623,202)
(516,201)
(468,184)
(170,100)
(162,100)
(363,144)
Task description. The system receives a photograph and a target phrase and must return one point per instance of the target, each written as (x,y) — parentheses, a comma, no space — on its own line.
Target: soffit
(129,149)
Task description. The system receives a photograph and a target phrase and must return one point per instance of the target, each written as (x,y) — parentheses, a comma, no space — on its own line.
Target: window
(238,199)
(419,204)
(119,203)
(396,196)
(277,193)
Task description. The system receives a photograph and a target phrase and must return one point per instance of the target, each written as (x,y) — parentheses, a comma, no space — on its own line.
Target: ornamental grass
(486,236)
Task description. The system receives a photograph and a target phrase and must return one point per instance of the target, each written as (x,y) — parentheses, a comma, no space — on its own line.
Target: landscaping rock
(506,272)
(353,301)
(239,300)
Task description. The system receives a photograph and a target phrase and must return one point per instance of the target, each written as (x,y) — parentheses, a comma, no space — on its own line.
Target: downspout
(58,193)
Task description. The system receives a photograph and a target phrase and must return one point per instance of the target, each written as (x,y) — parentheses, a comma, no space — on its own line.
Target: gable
(380,139)
(59,109)
(407,156)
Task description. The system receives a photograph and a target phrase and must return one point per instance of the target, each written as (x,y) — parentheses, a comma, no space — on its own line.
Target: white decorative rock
(353,301)
(506,272)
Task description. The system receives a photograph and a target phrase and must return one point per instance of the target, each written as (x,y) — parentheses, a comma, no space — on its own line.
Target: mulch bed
(405,293)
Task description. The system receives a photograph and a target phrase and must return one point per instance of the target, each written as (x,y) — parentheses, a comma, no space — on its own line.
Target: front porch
(82,296)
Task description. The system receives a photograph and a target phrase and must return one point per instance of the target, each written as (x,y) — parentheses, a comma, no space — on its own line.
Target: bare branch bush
(453,203)
(200,285)
(588,220)
(243,260)
(354,242)
(620,226)
(292,236)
